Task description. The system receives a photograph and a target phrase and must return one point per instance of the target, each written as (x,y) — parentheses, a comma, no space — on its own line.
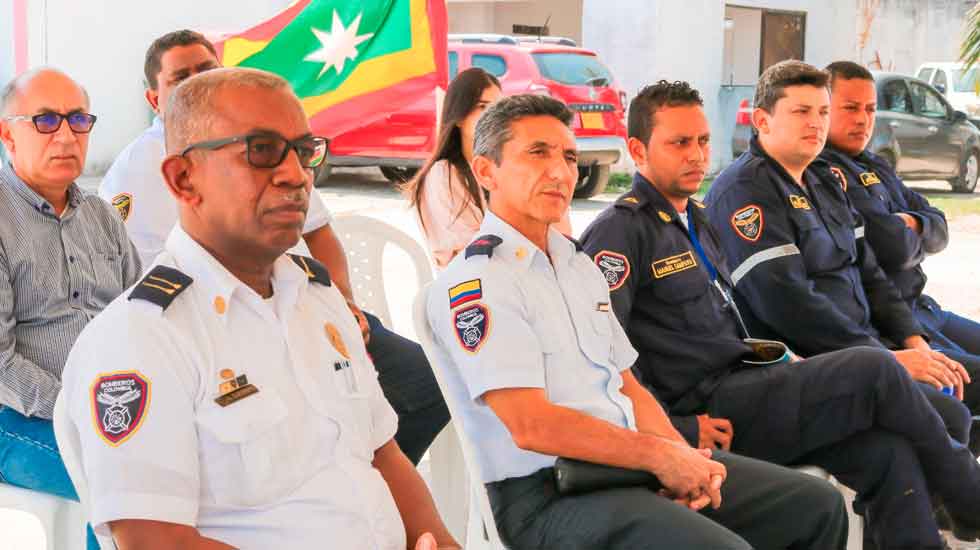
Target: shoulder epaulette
(629,201)
(161,286)
(483,246)
(316,271)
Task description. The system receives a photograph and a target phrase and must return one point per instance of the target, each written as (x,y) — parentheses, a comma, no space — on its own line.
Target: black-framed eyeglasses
(49,123)
(269,150)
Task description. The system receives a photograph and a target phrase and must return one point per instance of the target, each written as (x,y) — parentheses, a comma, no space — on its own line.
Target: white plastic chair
(365,240)
(855,523)
(61,521)
(478,536)
(69,445)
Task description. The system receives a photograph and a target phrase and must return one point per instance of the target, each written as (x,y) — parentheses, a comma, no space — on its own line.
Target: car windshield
(573,69)
(965,82)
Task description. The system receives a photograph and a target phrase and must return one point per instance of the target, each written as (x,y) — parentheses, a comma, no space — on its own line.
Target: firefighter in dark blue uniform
(900,225)
(802,270)
(670,288)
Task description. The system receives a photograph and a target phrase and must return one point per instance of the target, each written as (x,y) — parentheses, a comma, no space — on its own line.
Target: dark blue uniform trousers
(957,337)
(409,385)
(859,415)
(763,506)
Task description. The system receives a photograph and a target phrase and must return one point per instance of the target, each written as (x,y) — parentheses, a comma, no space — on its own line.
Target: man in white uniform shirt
(135,186)
(227,400)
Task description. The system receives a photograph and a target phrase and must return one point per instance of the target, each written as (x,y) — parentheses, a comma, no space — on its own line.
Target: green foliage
(970,49)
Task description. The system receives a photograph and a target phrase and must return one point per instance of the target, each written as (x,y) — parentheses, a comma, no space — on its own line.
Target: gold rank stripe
(173,287)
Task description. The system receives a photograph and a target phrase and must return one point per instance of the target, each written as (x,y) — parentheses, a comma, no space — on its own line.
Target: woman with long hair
(447,199)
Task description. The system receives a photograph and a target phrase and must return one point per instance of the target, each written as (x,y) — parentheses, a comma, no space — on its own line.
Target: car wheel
(398,174)
(969,171)
(592,180)
(322,175)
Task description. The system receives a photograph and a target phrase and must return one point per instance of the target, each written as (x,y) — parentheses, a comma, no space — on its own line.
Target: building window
(756,39)
(782,37)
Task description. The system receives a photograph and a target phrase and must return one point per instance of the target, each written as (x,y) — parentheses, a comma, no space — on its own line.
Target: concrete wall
(906,33)
(643,41)
(646,40)
(564,16)
(6,41)
(101,43)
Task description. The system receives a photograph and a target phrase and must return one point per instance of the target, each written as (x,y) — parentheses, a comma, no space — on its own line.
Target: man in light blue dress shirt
(541,366)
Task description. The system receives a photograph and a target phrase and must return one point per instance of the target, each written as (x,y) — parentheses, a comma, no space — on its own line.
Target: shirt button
(74,294)
(71,259)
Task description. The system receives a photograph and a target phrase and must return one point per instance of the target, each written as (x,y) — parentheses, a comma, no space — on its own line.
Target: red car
(401,142)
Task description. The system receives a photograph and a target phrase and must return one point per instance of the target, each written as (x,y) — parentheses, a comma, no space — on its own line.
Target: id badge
(345,370)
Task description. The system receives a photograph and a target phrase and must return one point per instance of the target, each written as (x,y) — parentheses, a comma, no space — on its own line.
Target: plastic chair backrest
(364,241)
(69,445)
(449,381)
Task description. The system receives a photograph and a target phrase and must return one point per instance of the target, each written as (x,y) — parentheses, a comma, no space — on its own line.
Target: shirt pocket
(348,389)
(817,245)
(107,271)
(684,300)
(245,452)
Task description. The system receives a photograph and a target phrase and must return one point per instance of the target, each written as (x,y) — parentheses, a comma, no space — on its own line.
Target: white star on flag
(338,45)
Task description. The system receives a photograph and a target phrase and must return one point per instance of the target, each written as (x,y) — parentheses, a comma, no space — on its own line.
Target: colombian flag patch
(463,293)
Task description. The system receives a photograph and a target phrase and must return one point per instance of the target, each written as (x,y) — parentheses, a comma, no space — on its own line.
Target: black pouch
(573,477)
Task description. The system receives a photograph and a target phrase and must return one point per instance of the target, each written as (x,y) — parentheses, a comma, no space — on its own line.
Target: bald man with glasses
(64,255)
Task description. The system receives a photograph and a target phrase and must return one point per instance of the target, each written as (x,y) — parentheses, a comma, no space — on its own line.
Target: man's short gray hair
(190,109)
(493,129)
(11,90)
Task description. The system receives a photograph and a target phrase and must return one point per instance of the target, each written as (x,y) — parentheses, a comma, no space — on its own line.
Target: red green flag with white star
(350,61)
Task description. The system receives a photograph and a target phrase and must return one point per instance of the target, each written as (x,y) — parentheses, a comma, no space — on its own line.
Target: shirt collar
(156,127)
(519,251)
(224,289)
(36,201)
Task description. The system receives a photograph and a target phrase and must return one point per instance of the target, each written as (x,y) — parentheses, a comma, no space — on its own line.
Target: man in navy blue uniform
(670,287)
(802,269)
(900,225)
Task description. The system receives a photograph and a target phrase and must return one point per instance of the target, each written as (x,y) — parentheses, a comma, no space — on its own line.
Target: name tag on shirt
(673,264)
(346,370)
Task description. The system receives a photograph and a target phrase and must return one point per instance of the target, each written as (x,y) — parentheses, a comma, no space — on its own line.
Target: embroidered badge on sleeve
(119,404)
(615,268)
(748,222)
(124,204)
(472,324)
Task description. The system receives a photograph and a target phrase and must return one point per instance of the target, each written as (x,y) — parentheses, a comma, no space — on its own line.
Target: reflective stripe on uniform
(761,257)
(858,233)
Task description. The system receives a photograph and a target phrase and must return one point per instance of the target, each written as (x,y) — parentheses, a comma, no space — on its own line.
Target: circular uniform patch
(748,222)
(615,268)
(119,403)
(472,325)
(841,178)
(124,204)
